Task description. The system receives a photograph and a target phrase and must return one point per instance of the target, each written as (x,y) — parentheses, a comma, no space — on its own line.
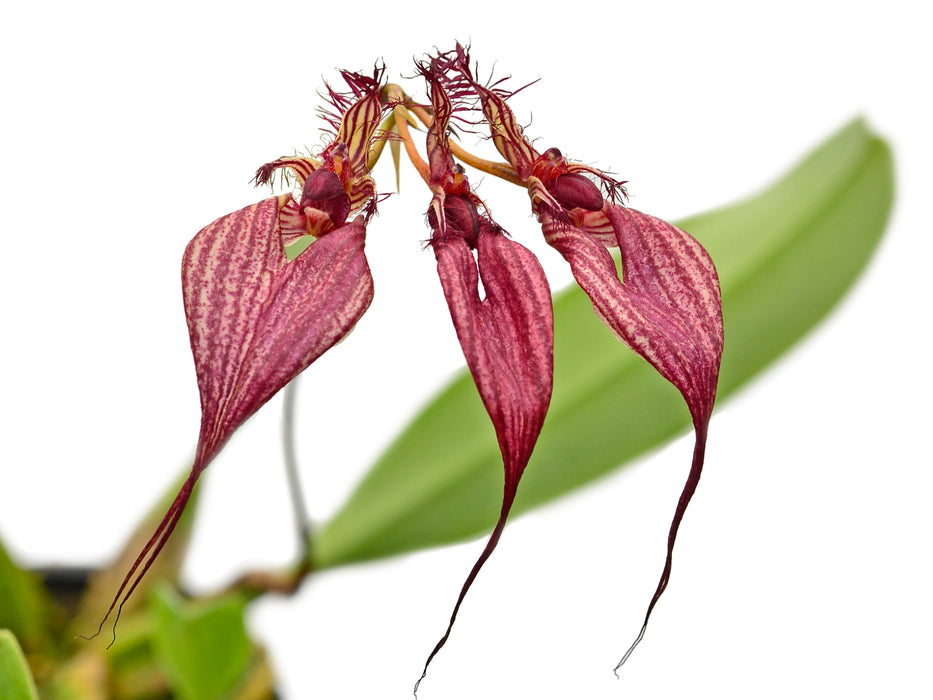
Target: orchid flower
(508,337)
(255,318)
(258,314)
(666,306)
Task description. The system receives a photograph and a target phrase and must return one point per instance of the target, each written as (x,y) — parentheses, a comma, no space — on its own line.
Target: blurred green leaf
(785,258)
(15,678)
(25,606)
(83,676)
(202,646)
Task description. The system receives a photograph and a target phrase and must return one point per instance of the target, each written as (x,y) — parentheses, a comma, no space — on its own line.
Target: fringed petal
(294,166)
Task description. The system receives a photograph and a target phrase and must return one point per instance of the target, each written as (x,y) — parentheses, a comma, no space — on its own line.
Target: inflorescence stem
(401,115)
(500,170)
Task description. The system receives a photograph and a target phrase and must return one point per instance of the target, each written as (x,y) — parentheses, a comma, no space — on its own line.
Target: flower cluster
(258,314)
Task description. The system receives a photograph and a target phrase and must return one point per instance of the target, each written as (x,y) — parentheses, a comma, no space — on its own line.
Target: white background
(803,567)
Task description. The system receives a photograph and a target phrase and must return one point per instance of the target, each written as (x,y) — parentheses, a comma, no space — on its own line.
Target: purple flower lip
(572,191)
(324,193)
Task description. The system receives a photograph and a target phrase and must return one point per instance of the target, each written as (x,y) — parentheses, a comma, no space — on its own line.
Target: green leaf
(785,258)
(15,678)
(24,604)
(202,646)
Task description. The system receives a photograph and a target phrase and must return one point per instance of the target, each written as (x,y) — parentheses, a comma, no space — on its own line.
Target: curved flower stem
(253,584)
(503,171)
(302,519)
(287,581)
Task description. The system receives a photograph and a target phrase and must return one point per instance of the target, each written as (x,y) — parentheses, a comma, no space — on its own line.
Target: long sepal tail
(507,340)
(666,306)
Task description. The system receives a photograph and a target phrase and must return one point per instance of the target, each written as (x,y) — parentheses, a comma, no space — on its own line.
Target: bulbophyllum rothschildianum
(258,316)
